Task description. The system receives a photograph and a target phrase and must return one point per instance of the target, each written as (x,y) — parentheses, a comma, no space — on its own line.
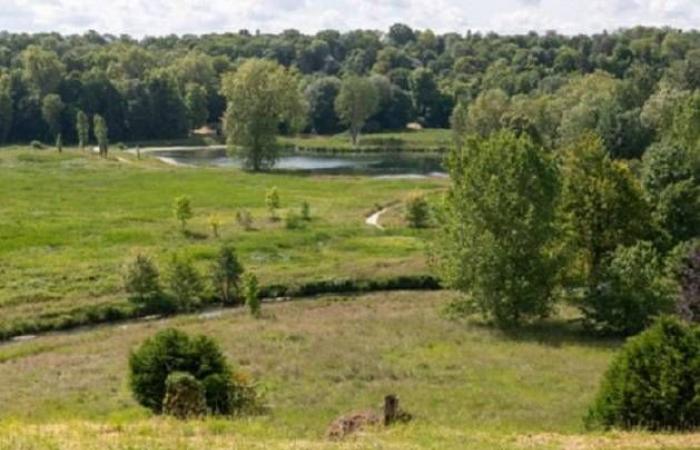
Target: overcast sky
(158,17)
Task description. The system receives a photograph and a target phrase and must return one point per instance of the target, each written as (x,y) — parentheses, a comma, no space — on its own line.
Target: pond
(394,164)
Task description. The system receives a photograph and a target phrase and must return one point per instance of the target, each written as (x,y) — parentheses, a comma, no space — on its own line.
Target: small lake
(395,164)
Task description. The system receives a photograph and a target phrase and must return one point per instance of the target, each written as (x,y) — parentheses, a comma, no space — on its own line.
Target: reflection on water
(385,165)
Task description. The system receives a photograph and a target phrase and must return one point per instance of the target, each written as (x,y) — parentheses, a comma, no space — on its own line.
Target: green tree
(602,206)
(272,201)
(633,291)
(498,227)
(6,107)
(185,283)
(227,272)
(182,209)
(82,128)
(42,70)
(417,211)
(261,94)
(251,293)
(142,283)
(197,105)
(320,95)
(51,110)
(356,102)
(99,128)
(484,115)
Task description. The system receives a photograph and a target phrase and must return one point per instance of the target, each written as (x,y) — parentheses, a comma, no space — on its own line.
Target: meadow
(69,222)
(466,384)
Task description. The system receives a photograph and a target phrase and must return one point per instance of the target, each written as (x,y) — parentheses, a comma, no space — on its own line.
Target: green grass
(416,140)
(467,385)
(69,222)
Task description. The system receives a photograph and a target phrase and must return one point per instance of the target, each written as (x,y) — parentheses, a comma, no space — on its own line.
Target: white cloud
(151,17)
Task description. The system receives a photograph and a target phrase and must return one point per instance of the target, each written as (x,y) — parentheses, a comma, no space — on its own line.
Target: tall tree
(261,94)
(321,95)
(356,102)
(602,206)
(51,110)
(6,107)
(42,70)
(498,226)
(101,134)
(82,129)
(197,105)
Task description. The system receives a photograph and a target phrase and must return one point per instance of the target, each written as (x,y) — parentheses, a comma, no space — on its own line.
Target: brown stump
(391,409)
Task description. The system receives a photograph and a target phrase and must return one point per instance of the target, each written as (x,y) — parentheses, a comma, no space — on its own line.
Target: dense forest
(625,86)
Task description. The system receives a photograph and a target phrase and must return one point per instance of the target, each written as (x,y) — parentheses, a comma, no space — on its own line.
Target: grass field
(416,140)
(69,222)
(467,385)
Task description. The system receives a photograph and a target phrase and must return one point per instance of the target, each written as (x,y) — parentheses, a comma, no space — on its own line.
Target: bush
(141,282)
(182,209)
(305,211)
(632,292)
(251,292)
(244,219)
(227,272)
(185,283)
(173,357)
(654,382)
(293,221)
(37,145)
(272,201)
(184,396)
(417,212)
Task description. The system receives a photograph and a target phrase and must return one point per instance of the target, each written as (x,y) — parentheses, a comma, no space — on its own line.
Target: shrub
(305,211)
(293,221)
(214,224)
(272,201)
(251,292)
(244,219)
(172,357)
(185,283)
(227,272)
(417,212)
(141,279)
(633,290)
(182,208)
(37,145)
(184,396)
(654,382)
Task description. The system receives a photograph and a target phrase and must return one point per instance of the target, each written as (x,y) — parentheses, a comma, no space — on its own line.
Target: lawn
(466,384)
(69,222)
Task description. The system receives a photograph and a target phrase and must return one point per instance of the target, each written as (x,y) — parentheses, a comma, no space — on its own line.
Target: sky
(159,17)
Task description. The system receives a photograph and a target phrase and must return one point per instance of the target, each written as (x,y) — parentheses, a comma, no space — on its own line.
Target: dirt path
(373,220)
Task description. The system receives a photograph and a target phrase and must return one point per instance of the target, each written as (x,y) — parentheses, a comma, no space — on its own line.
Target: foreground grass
(69,222)
(409,140)
(468,386)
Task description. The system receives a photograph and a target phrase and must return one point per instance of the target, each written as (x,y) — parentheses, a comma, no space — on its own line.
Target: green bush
(305,211)
(293,221)
(633,291)
(184,396)
(227,272)
(37,145)
(654,382)
(185,284)
(171,351)
(251,292)
(141,282)
(244,219)
(417,212)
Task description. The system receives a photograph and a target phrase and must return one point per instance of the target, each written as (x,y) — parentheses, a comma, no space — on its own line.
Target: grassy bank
(467,385)
(69,222)
(432,140)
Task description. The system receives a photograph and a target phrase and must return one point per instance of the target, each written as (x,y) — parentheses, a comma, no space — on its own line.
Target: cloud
(158,17)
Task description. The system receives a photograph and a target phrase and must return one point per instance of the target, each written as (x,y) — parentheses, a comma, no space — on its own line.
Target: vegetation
(272,201)
(653,381)
(356,102)
(174,373)
(417,212)
(182,209)
(251,293)
(142,283)
(185,283)
(227,272)
(101,132)
(498,224)
(261,94)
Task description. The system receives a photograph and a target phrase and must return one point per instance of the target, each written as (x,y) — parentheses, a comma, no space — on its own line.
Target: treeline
(162,87)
